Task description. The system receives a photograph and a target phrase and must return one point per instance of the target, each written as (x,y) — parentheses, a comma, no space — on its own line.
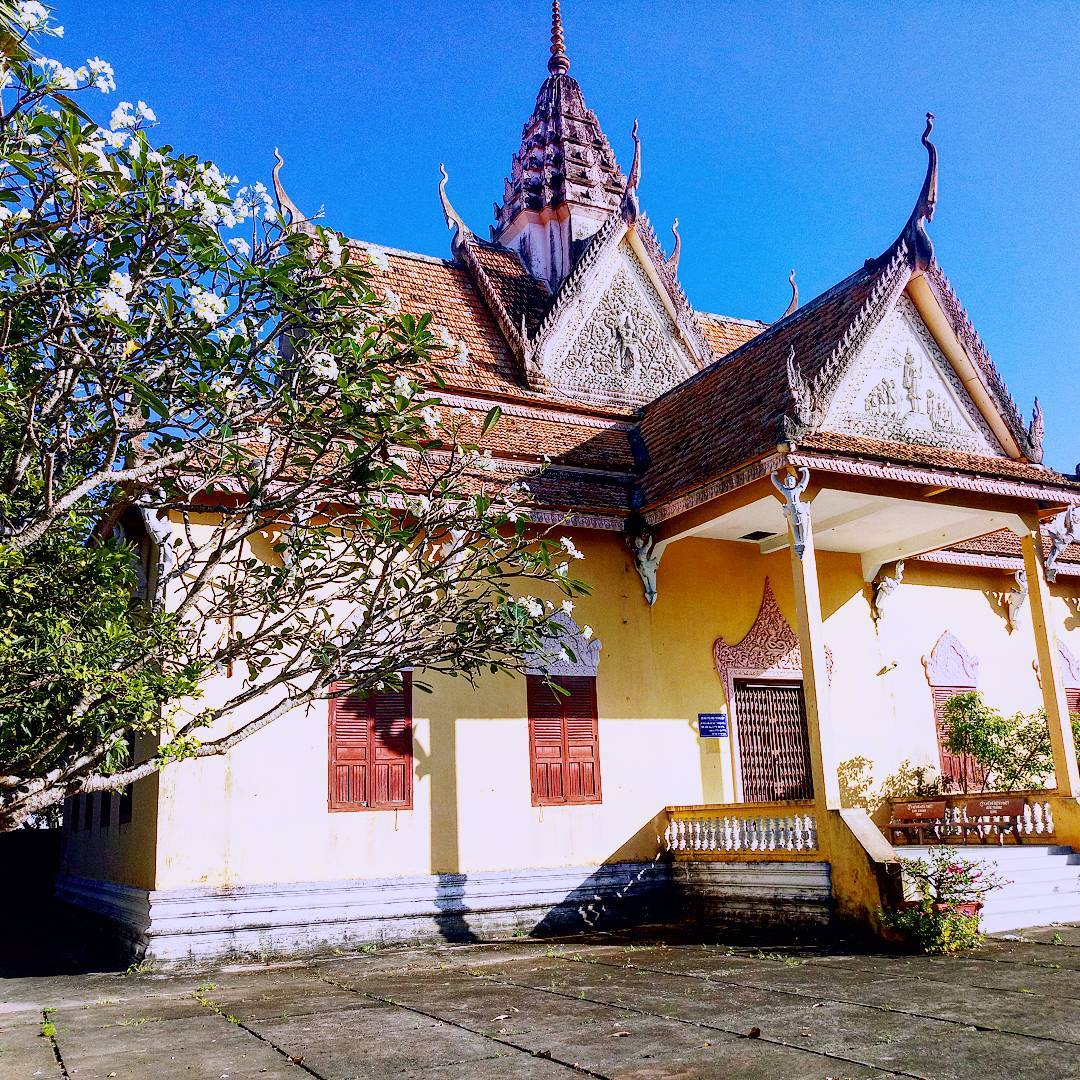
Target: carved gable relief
(900,386)
(617,344)
(770,649)
(571,653)
(950,664)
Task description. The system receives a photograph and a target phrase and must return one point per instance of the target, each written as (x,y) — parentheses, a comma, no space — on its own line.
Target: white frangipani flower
(120,283)
(112,303)
(431,417)
(571,548)
(324,367)
(586,631)
(240,246)
(122,116)
(207,306)
(403,387)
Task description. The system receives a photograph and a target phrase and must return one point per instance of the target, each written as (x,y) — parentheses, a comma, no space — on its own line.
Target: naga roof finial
(294,220)
(453,218)
(1037,432)
(793,304)
(673,258)
(919,240)
(558,62)
(630,206)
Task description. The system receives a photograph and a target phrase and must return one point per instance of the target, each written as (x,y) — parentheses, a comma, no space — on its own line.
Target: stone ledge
(198,924)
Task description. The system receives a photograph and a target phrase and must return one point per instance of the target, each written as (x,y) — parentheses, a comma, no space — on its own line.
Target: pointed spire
(294,220)
(630,206)
(453,218)
(793,304)
(558,62)
(673,258)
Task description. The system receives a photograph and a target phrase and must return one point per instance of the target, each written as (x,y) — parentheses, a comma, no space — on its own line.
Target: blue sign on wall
(712,725)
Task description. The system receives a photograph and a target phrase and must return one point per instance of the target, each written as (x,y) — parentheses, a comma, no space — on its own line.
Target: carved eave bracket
(883,587)
(640,541)
(1062,531)
(792,487)
(1015,600)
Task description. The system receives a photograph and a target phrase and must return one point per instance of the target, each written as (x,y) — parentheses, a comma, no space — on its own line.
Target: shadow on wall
(632,886)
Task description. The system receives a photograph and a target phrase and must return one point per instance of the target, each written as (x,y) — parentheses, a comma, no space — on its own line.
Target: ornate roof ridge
(973,344)
(687,316)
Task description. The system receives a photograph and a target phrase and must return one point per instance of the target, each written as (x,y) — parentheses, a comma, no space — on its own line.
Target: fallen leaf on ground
(754,1033)
(618,1034)
(501,1016)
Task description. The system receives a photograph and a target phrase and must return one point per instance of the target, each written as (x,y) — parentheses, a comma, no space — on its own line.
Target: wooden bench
(995,814)
(917,818)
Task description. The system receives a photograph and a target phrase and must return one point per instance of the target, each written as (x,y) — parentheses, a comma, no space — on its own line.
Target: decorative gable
(615,343)
(901,387)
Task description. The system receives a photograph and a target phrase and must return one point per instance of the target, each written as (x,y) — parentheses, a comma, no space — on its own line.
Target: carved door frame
(768,652)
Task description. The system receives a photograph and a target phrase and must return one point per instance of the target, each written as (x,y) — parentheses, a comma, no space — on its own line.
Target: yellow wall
(259,814)
(123,853)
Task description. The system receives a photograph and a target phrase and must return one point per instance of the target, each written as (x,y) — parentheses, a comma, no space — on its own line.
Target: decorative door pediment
(901,387)
(615,344)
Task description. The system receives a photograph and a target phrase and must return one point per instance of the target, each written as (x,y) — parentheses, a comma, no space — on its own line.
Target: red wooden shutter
(391,741)
(958,771)
(564,745)
(349,724)
(1073,698)
(545,743)
(582,740)
(371,750)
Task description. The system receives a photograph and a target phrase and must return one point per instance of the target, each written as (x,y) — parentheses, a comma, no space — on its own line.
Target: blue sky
(782,135)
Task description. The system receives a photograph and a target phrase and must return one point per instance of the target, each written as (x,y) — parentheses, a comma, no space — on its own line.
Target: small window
(127,792)
(371,750)
(564,744)
(1072,697)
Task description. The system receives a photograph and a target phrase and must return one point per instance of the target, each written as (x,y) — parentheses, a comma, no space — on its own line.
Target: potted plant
(945,893)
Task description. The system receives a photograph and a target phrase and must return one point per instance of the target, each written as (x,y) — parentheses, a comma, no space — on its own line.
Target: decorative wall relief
(619,345)
(770,649)
(1015,599)
(571,653)
(950,664)
(900,386)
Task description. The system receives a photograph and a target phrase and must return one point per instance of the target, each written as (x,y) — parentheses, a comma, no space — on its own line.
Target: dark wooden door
(774,745)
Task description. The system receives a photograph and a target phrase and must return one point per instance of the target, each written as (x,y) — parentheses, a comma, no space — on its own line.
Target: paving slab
(632,1006)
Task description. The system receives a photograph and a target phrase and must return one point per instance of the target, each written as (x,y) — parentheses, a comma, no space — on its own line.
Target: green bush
(935,932)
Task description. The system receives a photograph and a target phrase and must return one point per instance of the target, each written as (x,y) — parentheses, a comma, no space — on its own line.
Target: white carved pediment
(950,664)
(616,343)
(570,653)
(901,387)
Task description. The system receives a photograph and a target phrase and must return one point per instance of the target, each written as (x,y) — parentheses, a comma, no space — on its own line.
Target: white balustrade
(716,833)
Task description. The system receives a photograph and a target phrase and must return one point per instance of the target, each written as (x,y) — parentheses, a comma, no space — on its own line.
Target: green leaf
(494,414)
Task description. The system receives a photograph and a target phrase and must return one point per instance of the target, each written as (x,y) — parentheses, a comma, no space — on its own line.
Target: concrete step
(996,852)
(1047,915)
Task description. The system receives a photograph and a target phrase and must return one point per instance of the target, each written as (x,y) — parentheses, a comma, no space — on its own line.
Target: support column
(1055,702)
(808,626)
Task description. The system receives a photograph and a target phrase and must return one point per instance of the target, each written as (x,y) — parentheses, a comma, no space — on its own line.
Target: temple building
(802,537)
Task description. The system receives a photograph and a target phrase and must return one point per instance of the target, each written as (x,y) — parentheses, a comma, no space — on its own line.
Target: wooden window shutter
(564,745)
(88,810)
(1072,696)
(391,741)
(370,750)
(958,771)
(104,809)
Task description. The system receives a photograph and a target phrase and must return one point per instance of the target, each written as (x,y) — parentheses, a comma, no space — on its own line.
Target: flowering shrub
(204,398)
(934,921)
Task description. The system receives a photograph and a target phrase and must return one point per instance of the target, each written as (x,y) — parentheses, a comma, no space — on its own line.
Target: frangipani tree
(219,462)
